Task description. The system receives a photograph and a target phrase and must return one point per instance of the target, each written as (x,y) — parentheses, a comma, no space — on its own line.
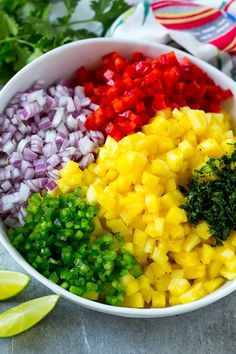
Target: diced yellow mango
(207,254)
(202,230)
(195,293)
(139,238)
(186,148)
(197,120)
(132,287)
(149,245)
(152,203)
(158,299)
(191,241)
(159,256)
(174,159)
(178,287)
(175,216)
(212,285)
(156,229)
(187,259)
(214,269)
(210,147)
(136,300)
(195,272)
(150,180)
(159,167)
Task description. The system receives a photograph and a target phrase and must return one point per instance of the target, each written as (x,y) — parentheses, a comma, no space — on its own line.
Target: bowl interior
(61,63)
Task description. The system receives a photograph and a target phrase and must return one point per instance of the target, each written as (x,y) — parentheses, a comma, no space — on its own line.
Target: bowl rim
(223,291)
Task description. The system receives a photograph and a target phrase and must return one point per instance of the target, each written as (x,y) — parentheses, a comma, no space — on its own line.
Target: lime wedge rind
(12,283)
(24,316)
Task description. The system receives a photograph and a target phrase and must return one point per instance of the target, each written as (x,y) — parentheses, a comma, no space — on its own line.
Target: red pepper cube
(167,59)
(120,64)
(125,126)
(82,75)
(118,105)
(142,67)
(109,113)
(88,88)
(159,101)
(140,107)
(137,56)
(127,83)
(113,130)
(90,122)
(130,72)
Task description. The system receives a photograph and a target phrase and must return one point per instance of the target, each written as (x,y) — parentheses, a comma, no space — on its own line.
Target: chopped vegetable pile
(57,240)
(119,184)
(41,130)
(129,92)
(211,196)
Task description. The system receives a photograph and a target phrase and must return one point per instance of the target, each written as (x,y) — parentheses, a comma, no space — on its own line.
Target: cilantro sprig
(26,29)
(211,196)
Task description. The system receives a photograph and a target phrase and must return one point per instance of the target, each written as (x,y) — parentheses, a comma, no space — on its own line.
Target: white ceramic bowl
(61,63)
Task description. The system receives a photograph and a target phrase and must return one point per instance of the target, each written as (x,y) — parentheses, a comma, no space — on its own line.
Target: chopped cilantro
(211,196)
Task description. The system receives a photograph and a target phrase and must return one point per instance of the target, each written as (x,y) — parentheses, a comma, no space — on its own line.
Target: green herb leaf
(107,11)
(211,196)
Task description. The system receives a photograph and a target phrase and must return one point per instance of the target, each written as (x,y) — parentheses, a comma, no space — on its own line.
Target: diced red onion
(57,117)
(41,130)
(29,154)
(45,124)
(51,185)
(86,145)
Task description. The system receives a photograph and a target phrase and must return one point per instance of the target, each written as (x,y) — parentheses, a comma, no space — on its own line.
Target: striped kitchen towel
(204,28)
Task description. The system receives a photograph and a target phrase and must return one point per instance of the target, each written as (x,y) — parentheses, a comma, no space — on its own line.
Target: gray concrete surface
(71,329)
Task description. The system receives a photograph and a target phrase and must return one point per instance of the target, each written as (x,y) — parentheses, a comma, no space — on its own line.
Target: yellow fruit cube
(139,238)
(158,299)
(136,300)
(195,272)
(150,180)
(178,287)
(223,254)
(159,256)
(131,162)
(207,254)
(202,230)
(212,285)
(195,293)
(162,283)
(174,159)
(156,229)
(214,269)
(127,279)
(149,245)
(70,168)
(175,216)
(171,185)
(147,294)
(187,259)
(191,241)
(132,287)
(144,282)
(159,125)
(210,147)
(186,148)
(152,203)
(198,120)
(230,275)
(160,167)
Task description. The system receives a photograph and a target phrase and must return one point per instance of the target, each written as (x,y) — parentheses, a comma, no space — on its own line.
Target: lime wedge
(24,316)
(12,283)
